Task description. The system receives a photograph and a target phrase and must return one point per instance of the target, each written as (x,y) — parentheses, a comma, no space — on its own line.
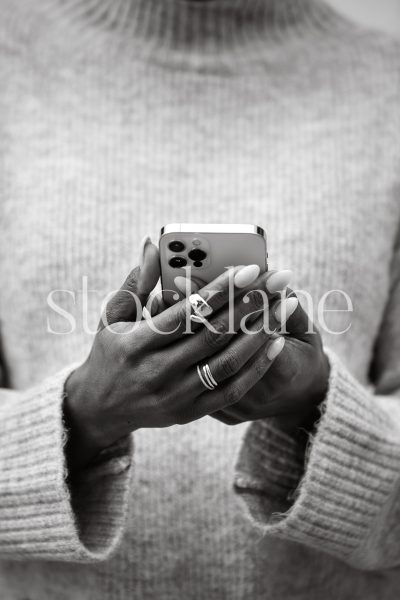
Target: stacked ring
(206,377)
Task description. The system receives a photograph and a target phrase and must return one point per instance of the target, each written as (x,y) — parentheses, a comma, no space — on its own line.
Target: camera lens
(177,262)
(176,246)
(197,254)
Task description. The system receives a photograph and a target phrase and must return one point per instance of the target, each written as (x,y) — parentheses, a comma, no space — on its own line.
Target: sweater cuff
(41,514)
(270,461)
(351,468)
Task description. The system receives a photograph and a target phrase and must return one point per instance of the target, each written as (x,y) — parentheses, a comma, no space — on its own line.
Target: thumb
(127,303)
(149,269)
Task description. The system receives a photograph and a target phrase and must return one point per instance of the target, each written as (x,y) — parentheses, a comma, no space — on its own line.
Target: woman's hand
(143,374)
(295,384)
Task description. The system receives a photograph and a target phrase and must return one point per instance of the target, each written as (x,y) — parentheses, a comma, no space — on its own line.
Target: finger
(291,317)
(154,305)
(229,360)
(280,310)
(170,325)
(220,330)
(122,306)
(149,271)
(236,387)
(126,304)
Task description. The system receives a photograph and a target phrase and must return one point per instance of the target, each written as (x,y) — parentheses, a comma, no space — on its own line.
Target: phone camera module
(177,262)
(197,255)
(198,263)
(176,246)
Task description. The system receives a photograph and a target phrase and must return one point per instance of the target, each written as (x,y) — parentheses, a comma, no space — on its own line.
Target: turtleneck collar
(207,26)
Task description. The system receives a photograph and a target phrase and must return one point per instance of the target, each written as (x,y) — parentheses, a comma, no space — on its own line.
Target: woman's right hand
(137,377)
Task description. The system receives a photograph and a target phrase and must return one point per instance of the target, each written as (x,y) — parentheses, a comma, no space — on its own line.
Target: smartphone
(204,251)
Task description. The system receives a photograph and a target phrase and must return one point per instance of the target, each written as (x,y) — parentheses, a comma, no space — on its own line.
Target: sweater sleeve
(44,514)
(341,495)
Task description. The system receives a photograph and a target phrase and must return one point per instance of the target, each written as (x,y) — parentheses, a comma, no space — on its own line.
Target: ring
(200,307)
(206,377)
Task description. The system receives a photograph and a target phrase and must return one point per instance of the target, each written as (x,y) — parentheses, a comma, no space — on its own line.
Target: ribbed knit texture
(117,117)
(37,517)
(350,476)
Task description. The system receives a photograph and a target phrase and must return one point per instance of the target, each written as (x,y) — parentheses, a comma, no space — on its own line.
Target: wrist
(300,424)
(83,444)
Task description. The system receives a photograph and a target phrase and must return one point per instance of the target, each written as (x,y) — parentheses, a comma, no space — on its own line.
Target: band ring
(206,377)
(200,308)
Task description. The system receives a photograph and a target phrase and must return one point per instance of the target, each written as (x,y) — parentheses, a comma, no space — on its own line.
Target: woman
(118,116)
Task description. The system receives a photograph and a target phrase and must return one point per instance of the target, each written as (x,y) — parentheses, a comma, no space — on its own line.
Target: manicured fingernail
(142,249)
(285,309)
(184,283)
(275,348)
(246,276)
(278,281)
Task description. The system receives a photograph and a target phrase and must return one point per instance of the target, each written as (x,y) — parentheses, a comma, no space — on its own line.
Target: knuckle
(156,375)
(229,364)
(220,326)
(256,299)
(132,338)
(120,353)
(114,307)
(253,301)
(173,318)
(260,367)
(150,386)
(215,337)
(132,279)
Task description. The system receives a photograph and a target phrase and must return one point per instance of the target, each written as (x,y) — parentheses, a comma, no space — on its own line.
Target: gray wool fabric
(117,117)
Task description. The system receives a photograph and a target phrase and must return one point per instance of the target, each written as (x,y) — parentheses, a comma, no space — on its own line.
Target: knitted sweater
(116,117)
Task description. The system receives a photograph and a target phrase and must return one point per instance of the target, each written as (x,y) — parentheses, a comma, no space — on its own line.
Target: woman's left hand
(294,385)
(297,380)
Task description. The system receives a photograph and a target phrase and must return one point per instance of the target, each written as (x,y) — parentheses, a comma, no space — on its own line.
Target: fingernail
(278,281)
(246,276)
(285,309)
(275,348)
(184,283)
(142,249)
